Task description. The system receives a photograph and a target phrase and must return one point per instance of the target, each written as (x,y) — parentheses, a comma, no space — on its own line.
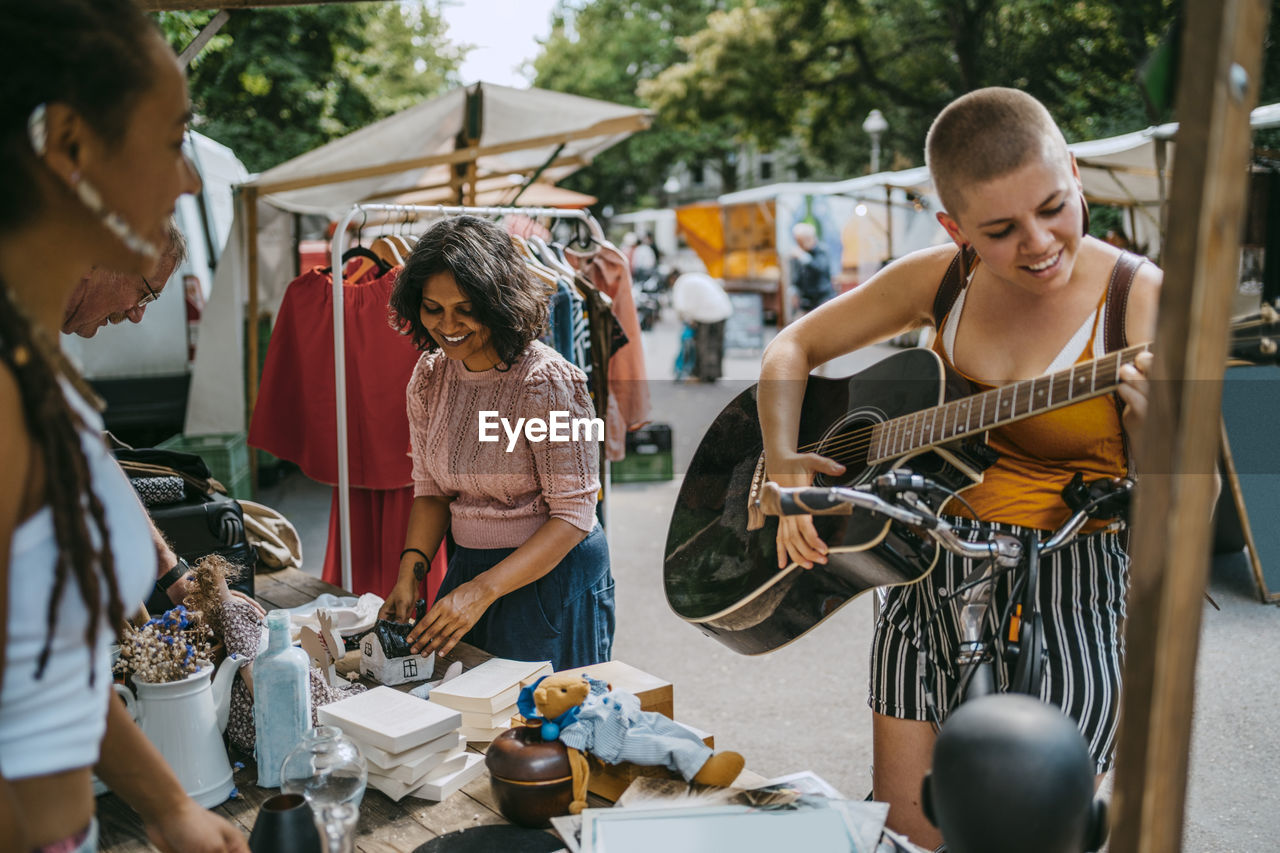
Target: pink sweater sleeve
(424,485)
(568,471)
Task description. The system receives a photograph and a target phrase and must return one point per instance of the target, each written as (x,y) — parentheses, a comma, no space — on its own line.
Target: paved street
(804,707)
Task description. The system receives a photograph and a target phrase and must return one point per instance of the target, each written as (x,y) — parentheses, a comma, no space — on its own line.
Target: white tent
(478,144)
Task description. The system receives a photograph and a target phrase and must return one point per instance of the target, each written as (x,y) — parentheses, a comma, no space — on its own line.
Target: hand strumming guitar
(798,539)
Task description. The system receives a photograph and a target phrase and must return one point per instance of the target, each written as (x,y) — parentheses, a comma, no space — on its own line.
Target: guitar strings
(850,446)
(853,443)
(847,446)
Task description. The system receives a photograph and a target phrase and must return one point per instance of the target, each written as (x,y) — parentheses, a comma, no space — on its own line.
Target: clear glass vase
(329,771)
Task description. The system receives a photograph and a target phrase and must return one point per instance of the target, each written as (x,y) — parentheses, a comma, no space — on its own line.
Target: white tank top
(56,723)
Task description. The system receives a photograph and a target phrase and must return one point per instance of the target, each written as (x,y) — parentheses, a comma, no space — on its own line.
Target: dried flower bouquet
(167,648)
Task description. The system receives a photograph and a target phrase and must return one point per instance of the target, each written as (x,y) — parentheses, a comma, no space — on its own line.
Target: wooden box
(654,693)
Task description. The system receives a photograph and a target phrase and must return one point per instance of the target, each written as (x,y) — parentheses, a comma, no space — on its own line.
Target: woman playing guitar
(1035,297)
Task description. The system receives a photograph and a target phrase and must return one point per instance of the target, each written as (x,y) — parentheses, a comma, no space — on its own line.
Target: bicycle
(904,496)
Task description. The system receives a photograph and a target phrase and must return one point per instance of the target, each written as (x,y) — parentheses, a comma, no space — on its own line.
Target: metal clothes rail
(339,331)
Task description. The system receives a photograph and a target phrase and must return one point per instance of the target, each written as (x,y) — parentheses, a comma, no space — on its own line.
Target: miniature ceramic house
(375,664)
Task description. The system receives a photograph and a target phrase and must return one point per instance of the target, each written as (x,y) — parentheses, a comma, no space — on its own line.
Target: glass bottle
(281,699)
(329,771)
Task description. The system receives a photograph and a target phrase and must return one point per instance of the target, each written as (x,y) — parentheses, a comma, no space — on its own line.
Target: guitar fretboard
(999,406)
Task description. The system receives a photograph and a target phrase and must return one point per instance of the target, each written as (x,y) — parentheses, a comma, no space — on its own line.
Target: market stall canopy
(491,136)
(537,194)
(521,132)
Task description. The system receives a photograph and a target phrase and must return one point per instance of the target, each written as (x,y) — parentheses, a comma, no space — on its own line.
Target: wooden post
(251,326)
(1177,452)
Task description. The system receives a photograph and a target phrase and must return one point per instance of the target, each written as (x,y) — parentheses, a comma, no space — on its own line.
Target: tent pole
(251,328)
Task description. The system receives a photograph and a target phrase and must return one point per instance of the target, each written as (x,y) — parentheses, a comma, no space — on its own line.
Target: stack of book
(486,695)
(413,746)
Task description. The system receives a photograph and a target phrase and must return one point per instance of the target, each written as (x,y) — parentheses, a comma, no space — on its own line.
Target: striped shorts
(1082,594)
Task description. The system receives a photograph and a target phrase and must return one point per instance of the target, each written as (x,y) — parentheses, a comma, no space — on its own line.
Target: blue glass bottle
(281,699)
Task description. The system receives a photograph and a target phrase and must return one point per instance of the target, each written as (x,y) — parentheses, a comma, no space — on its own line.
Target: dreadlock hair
(88,54)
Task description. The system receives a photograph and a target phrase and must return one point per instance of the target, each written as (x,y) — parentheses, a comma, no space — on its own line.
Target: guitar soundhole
(848,442)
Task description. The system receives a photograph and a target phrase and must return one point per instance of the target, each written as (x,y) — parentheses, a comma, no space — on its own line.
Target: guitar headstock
(1255,339)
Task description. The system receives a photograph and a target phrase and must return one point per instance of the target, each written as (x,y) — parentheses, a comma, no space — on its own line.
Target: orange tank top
(1040,455)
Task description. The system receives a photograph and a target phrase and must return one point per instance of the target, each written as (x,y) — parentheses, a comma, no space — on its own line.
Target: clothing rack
(339,333)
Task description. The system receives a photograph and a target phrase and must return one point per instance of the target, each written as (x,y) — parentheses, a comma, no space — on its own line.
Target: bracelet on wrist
(418,552)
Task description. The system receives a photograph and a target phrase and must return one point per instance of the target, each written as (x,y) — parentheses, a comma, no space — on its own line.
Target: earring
(38,130)
(1084,207)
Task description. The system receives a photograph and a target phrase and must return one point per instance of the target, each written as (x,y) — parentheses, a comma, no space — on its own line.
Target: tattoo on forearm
(419,571)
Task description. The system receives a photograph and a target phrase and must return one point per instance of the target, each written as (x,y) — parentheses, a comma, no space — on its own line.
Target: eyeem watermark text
(560,427)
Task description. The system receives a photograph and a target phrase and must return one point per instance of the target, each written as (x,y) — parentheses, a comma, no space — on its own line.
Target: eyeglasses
(148,297)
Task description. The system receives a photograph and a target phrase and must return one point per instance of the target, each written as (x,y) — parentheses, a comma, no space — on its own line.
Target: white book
(417,772)
(489,687)
(383,761)
(442,784)
(389,719)
(397,790)
(482,720)
(481,735)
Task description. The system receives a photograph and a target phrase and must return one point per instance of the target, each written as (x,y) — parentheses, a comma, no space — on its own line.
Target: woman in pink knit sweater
(529,577)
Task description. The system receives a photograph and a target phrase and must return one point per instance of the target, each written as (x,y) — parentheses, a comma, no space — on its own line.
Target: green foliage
(605,49)
(276,83)
(816,68)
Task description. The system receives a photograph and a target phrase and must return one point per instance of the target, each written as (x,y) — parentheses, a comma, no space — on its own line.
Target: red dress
(296,416)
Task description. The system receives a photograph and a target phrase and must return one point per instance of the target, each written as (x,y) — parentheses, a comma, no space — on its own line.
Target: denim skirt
(566,616)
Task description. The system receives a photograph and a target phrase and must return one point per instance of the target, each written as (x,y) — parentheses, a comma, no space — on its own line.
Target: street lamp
(671,187)
(874,126)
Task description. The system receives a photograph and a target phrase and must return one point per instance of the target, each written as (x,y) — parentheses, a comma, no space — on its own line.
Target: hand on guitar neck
(1133,391)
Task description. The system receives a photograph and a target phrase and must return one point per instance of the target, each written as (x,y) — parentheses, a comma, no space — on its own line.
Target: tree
(604,49)
(816,68)
(276,83)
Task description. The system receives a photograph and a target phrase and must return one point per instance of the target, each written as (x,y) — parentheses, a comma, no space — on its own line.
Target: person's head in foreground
(1012,774)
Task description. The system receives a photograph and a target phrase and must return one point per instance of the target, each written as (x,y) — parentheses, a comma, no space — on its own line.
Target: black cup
(285,825)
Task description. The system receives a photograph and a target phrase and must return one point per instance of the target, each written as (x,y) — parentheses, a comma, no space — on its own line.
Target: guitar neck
(1006,404)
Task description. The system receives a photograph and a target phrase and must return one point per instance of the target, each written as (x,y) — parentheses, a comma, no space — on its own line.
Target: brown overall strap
(1114,337)
(952,283)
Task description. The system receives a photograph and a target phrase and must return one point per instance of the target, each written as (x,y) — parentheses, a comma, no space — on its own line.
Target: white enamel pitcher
(185,719)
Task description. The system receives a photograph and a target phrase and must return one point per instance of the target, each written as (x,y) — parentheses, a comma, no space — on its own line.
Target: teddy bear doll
(586,716)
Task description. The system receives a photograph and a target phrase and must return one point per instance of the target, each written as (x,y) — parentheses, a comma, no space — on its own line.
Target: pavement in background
(804,706)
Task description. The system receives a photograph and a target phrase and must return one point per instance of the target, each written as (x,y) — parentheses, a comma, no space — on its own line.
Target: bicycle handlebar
(1005,548)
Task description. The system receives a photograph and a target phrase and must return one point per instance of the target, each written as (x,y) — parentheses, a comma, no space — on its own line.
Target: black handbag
(204,521)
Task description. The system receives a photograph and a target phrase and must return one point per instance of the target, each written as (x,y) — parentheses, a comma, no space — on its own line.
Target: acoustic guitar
(720,567)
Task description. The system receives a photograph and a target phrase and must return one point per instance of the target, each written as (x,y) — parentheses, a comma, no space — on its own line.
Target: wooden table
(385,826)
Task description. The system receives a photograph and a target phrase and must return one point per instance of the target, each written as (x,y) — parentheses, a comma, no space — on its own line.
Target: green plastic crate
(648,456)
(226,454)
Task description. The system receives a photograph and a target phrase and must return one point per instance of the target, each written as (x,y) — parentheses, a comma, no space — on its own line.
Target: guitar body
(725,579)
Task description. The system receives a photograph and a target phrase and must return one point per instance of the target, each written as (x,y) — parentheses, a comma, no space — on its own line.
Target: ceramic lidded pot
(530,778)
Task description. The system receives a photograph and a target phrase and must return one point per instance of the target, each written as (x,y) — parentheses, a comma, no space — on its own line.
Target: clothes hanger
(406,247)
(550,258)
(386,249)
(362,252)
(547,276)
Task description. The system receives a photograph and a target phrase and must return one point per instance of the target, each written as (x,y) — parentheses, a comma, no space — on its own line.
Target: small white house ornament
(375,664)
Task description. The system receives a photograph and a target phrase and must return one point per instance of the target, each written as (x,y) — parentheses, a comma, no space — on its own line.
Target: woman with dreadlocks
(93,108)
